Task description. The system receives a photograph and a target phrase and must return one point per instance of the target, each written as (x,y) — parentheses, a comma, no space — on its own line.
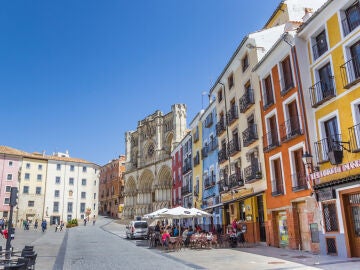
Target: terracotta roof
(12,151)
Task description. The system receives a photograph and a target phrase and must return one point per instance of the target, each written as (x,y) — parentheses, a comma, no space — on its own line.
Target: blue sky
(75,75)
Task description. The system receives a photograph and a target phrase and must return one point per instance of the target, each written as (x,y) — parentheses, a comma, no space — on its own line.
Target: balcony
(350,72)
(196,136)
(290,129)
(187,166)
(232,115)
(299,181)
(236,180)
(204,151)
(252,172)
(209,121)
(349,23)
(250,135)
(234,147)
(213,144)
(186,190)
(270,140)
(354,133)
(277,187)
(223,186)
(222,155)
(268,101)
(322,91)
(246,100)
(220,127)
(319,48)
(286,86)
(327,147)
(196,160)
(209,182)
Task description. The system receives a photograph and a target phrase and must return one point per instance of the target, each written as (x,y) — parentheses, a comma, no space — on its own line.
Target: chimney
(308,13)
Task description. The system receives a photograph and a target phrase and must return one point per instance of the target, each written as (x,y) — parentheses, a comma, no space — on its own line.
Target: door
(304,229)
(294,119)
(278,185)
(352,211)
(355,55)
(262,231)
(326,83)
(273,138)
(299,170)
(332,134)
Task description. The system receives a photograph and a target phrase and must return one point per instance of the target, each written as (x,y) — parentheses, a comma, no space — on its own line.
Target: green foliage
(72,223)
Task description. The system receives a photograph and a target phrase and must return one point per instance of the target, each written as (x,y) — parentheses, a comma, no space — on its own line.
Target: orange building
(111,189)
(290,208)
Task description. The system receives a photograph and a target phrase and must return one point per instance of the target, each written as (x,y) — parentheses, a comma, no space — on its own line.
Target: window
(231,81)
(94,206)
(9,177)
(245,63)
(39,167)
(38,190)
(39,177)
(83,195)
(7,201)
(268,92)
(82,207)
(277,181)
(287,80)
(69,217)
(219,96)
(94,196)
(83,182)
(30,203)
(5,214)
(72,168)
(7,188)
(352,18)
(326,82)
(57,193)
(26,189)
(70,193)
(56,207)
(58,167)
(330,217)
(27,176)
(320,46)
(82,216)
(57,180)
(71,181)
(27,165)
(10,163)
(94,182)
(70,207)
(84,169)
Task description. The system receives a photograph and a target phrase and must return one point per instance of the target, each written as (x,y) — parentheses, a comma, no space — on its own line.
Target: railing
(324,146)
(234,147)
(290,128)
(250,135)
(223,186)
(299,181)
(204,151)
(187,166)
(322,91)
(196,160)
(252,172)
(268,100)
(232,114)
(220,127)
(186,190)
(270,140)
(277,187)
(222,155)
(246,100)
(209,182)
(319,48)
(213,144)
(350,72)
(349,25)
(286,86)
(236,180)
(196,136)
(209,121)
(354,133)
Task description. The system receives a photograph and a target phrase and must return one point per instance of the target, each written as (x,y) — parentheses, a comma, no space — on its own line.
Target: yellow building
(331,40)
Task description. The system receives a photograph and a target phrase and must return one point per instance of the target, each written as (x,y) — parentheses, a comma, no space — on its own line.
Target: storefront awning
(241,198)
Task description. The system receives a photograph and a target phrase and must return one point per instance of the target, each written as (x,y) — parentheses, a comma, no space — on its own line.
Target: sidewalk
(258,257)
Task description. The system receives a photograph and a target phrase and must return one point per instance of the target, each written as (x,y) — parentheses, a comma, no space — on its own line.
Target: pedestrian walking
(85,220)
(36,224)
(94,220)
(61,225)
(43,225)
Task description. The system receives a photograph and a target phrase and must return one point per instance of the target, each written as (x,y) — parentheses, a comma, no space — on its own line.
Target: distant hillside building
(148,177)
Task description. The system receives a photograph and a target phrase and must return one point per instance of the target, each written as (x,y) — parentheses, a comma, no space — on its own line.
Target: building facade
(111,187)
(176,156)
(148,177)
(187,173)
(330,43)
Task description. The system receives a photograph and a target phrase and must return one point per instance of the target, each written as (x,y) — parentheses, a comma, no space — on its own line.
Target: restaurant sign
(338,169)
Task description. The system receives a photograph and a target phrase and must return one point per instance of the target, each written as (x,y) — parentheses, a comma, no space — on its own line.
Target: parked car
(137,229)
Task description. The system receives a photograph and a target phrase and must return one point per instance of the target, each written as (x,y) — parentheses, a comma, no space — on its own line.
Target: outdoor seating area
(24,259)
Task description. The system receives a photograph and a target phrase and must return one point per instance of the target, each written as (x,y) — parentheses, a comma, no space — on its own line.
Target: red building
(176,156)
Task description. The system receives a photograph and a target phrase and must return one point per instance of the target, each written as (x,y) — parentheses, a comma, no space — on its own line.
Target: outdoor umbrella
(156,214)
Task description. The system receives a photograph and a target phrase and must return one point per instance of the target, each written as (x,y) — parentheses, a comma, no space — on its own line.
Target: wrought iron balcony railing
(220,127)
(222,155)
(349,24)
(277,187)
(186,190)
(322,91)
(326,145)
(319,48)
(246,100)
(286,85)
(223,185)
(290,129)
(209,120)
(299,181)
(234,147)
(354,133)
(350,72)
(213,144)
(204,151)
(250,135)
(270,140)
(268,101)
(196,160)
(252,172)
(236,180)
(209,182)
(232,114)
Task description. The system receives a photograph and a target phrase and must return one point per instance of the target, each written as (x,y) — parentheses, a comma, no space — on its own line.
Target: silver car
(137,229)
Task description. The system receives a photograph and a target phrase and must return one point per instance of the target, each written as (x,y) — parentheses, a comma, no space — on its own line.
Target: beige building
(148,176)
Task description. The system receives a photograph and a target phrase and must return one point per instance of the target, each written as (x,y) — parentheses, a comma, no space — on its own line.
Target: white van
(137,229)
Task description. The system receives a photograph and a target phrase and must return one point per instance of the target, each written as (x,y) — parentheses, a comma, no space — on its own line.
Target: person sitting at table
(198,228)
(185,234)
(165,238)
(189,234)
(175,232)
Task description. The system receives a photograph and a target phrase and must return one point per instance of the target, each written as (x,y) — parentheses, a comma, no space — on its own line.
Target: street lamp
(307,159)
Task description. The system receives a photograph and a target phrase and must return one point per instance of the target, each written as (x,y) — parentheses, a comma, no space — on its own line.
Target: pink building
(10,164)
(177,176)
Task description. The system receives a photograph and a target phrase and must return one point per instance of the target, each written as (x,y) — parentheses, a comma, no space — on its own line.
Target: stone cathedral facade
(148,176)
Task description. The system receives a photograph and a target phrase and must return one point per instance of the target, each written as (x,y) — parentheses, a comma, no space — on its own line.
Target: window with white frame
(7,188)
(27,176)
(319,44)
(9,177)
(6,201)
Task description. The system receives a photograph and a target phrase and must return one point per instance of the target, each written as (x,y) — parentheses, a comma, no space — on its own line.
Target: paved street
(104,246)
